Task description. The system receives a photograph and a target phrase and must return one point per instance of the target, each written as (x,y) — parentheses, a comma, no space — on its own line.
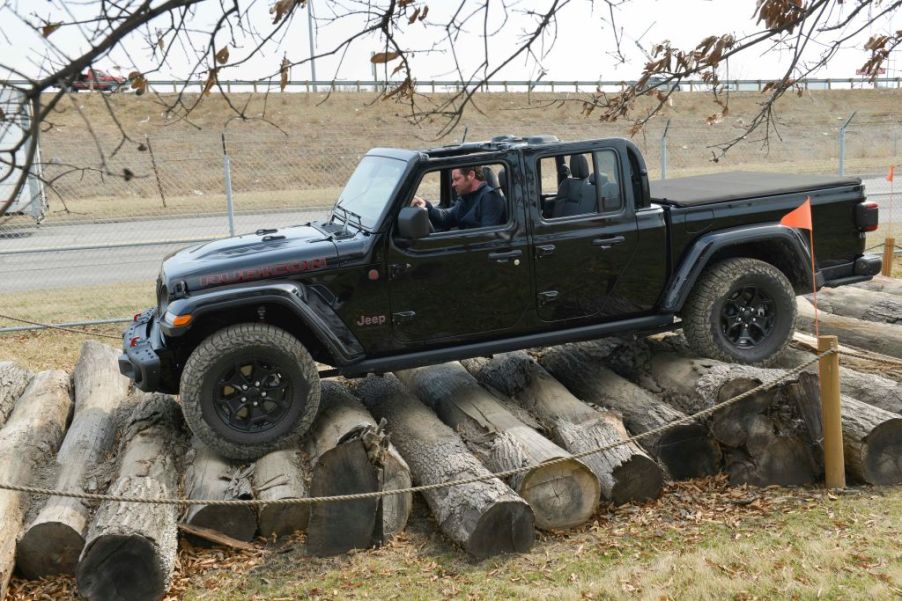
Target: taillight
(866,216)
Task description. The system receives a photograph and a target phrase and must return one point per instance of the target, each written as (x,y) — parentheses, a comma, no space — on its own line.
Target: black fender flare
(303,302)
(699,255)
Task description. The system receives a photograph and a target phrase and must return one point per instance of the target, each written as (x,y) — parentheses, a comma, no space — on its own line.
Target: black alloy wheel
(747,317)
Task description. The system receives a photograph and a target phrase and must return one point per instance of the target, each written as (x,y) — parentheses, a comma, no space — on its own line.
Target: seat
(502,181)
(488,174)
(577,195)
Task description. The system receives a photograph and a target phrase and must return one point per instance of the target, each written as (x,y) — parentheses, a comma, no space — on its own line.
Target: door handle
(606,243)
(503,256)
(544,250)
(402,316)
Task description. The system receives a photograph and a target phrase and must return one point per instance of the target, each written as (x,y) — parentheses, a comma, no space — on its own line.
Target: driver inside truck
(478,205)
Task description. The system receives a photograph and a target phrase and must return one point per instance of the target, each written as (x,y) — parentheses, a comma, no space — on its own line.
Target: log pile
(35,426)
(884,338)
(562,494)
(13,380)
(54,540)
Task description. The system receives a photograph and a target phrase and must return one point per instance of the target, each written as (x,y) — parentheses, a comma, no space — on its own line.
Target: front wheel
(250,389)
(740,310)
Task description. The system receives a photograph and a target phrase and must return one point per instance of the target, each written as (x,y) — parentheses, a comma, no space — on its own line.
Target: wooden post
(889,248)
(834,464)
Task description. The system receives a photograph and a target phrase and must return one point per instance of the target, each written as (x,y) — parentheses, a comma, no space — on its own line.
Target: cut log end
(562,495)
(883,460)
(688,452)
(121,568)
(238,522)
(507,527)
(282,520)
(49,549)
(638,479)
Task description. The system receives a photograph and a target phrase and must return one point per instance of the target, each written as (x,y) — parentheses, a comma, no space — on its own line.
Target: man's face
(464,181)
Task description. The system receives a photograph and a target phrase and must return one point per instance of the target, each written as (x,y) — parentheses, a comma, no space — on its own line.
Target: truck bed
(739,185)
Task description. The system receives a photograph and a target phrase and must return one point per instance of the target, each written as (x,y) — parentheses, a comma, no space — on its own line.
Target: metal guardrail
(740,85)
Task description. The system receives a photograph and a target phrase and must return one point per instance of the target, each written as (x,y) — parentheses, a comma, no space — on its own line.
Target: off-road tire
(244,343)
(702,313)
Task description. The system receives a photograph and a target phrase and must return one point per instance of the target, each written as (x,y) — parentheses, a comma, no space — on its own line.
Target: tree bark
(130,550)
(351,453)
(13,380)
(686,451)
(54,540)
(872,437)
(881,284)
(765,438)
(860,303)
(34,428)
(869,388)
(281,475)
(562,495)
(209,476)
(883,338)
(485,518)
(855,358)
(626,472)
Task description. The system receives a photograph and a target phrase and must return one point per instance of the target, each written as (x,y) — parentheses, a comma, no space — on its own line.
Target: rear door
(580,254)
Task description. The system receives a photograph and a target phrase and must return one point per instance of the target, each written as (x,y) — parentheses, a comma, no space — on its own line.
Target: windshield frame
(377,220)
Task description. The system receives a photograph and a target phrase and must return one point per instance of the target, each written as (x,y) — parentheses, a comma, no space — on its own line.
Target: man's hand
(418,202)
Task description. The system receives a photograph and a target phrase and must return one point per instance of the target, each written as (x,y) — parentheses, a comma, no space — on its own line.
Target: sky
(584,48)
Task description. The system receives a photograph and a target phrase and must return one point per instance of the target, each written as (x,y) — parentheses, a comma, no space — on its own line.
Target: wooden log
(130,550)
(867,362)
(352,454)
(34,428)
(562,495)
(53,541)
(626,472)
(13,380)
(686,451)
(872,437)
(885,338)
(881,284)
(281,475)
(485,518)
(860,303)
(765,438)
(869,388)
(209,476)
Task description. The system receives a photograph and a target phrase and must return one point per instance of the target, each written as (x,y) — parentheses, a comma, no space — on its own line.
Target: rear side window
(577,184)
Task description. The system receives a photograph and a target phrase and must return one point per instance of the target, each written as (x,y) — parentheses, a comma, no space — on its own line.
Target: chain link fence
(115,214)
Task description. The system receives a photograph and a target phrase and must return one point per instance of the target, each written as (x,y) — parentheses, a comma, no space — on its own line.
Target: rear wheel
(250,389)
(741,310)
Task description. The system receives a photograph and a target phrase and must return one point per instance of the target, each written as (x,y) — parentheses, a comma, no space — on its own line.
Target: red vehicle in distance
(96,79)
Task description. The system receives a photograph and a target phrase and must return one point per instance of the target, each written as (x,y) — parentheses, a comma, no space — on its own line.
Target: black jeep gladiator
(587,248)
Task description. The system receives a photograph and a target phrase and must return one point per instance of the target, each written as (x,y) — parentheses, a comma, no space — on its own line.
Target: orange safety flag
(889,176)
(800,218)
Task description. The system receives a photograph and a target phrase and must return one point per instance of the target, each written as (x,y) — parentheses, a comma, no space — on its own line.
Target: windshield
(370,188)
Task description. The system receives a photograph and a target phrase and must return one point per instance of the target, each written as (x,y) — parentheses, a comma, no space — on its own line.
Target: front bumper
(141,360)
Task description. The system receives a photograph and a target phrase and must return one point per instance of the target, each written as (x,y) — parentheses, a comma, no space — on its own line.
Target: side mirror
(413,222)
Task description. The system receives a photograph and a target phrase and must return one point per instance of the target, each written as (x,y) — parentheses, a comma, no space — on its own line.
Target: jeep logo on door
(371,320)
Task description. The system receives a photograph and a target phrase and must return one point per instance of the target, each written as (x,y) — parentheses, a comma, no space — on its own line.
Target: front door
(584,236)
(463,283)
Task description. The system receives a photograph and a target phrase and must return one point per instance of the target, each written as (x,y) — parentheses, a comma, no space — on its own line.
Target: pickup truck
(587,248)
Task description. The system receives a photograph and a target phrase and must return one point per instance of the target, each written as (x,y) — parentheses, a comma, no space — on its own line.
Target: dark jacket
(481,208)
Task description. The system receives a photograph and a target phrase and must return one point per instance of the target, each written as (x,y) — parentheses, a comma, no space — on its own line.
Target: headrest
(489,177)
(598,179)
(502,177)
(579,166)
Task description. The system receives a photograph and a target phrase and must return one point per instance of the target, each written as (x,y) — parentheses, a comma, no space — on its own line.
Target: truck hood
(266,254)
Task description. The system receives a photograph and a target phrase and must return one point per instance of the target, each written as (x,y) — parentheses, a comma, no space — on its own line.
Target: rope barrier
(424,488)
(61,328)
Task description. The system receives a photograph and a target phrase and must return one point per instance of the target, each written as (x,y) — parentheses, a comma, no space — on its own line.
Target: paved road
(104,258)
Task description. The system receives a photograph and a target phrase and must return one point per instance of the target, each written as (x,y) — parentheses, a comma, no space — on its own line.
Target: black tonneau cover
(739,185)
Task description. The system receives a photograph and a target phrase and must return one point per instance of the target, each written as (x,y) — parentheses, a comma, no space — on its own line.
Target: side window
(568,185)
(462,202)
(607,178)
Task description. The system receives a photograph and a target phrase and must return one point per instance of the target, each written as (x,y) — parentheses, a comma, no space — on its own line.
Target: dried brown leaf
(161,44)
(398,68)
(414,17)
(426,12)
(49,28)
(384,57)
(138,83)
(212,78)
(222,57)
(283,73)
(283,8)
